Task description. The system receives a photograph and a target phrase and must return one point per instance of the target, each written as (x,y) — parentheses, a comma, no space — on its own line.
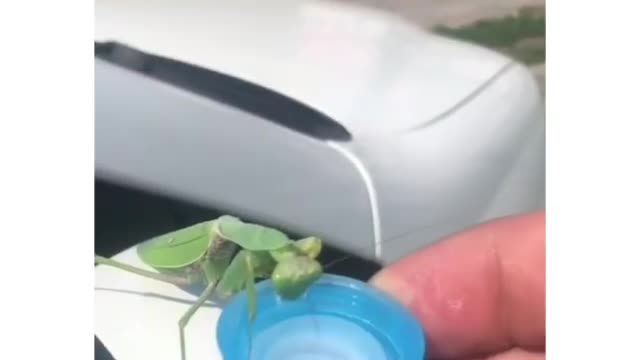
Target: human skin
(479,294)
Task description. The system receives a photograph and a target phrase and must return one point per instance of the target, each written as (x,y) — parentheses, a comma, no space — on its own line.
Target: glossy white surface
(368,70)
(483,160)
(137,318)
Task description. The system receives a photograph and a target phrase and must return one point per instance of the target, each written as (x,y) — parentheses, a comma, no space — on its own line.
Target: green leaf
(252,236)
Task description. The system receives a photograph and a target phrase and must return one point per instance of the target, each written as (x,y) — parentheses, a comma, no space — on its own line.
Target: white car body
(441,134)
(444,134)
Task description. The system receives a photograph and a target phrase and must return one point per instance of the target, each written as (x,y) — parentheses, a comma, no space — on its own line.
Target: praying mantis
(227,255)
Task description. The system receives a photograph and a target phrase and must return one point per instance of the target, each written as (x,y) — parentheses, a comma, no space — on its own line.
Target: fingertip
(456,288)
(390,284)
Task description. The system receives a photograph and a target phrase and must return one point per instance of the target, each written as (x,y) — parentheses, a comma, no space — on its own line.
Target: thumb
(481,291)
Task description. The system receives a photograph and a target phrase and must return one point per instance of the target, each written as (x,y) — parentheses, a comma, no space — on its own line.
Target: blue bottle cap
(337,318)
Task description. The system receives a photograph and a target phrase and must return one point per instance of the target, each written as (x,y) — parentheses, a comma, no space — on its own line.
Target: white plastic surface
(137,318)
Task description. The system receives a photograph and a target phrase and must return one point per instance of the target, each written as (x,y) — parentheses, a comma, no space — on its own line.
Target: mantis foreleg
(235,276)
(250,287)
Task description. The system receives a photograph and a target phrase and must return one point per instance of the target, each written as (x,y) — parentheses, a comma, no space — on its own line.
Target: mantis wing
(252,236)
(178,248)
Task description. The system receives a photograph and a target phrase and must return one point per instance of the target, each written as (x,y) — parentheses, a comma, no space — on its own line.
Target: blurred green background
(521,36)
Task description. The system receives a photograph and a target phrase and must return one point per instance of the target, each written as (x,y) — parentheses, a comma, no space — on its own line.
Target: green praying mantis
(227,255)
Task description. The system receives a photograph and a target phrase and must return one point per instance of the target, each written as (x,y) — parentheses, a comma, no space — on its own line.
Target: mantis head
(297,267)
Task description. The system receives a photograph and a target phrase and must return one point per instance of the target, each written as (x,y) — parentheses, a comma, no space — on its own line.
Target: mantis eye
(293,276)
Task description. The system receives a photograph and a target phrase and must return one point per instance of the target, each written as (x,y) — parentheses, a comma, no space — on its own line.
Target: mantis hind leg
(168,278)
(184,320)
